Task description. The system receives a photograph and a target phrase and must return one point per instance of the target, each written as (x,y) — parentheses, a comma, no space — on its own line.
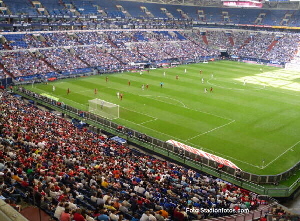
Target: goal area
(104,108)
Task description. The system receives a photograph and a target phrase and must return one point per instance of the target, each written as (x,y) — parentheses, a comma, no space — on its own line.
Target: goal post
(104,108)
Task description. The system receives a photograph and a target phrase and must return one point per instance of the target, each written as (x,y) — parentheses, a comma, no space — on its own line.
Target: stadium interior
(56,165)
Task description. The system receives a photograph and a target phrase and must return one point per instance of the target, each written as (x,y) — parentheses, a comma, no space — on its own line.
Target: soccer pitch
(252,116)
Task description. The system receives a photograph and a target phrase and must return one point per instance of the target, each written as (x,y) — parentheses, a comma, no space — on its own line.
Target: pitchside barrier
(242,178)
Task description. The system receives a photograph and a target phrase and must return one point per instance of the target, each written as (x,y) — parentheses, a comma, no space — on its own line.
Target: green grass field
(252,117)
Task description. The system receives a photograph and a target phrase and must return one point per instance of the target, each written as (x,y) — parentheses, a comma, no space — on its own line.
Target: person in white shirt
(59,210)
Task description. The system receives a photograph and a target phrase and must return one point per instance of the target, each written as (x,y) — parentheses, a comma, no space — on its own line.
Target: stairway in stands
(231,40)
(272,45)
(205,39)
(48,64)
(245,42)
(6,71)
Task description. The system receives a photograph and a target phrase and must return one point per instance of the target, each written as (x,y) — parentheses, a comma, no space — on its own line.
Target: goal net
(104,108)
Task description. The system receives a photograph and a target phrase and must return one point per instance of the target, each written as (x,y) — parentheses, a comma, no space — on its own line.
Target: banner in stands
(202,153)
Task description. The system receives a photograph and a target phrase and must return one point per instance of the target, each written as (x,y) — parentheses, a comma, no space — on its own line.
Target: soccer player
(95,91)
(212,75)
(205,90)
(118,95)
(164,74)
(200,71)
(244,82)
(202,80)
(211,89)
(53,88)
(147,86)
(141,72)
(68,91)
(102,103)
(161,84)
(184,70)
(177,77)
(121,96)
(106,79)
(143,87)
(129,83)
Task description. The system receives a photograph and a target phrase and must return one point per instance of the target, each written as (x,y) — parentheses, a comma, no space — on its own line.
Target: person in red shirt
(77,216)
(65,216)
(25,183)
(178,215)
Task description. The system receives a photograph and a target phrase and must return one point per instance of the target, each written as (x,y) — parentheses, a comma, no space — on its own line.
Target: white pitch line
(281,155)
(138,113)
(71,101)
(168,98)
(191,144)
(151,96)
(211,130)
(147,121)
(197,146)
(230,88)
(78,92)
(152,129)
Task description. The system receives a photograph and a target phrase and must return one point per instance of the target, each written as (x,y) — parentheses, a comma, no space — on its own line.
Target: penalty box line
(216,128)
(193,145)
(281,155)
(187,142)
(184,106)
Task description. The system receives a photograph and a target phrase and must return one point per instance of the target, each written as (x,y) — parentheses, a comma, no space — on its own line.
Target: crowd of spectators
(75,172)
(97,57)
(218,39)
(60,39)
(258,45)
(122,48)
(62,60)
(90,38)
(33,41)
(127,56)
(285,49)
(151,51)
(279,213)
(24,63)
